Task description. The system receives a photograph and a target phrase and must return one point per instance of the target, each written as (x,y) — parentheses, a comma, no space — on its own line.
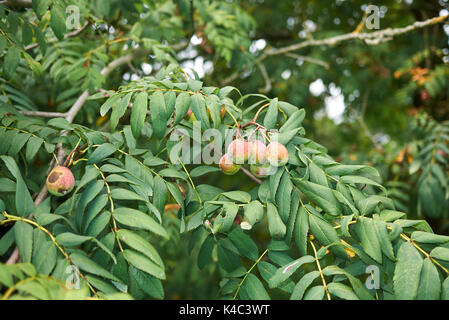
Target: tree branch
(371,38)
(17,3)
(67,35)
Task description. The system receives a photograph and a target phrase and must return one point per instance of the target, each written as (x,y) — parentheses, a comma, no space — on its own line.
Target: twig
(67,35)
(265,75)
(321,271)
(308,59)
(248,272)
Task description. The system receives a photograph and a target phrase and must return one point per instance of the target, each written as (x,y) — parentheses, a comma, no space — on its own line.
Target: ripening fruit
(190,116)
(277,154)
(60,181)
(257,152)
(238,150)
(227,166)
(263,170)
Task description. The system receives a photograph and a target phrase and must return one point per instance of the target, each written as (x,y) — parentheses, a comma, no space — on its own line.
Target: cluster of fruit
(263,159)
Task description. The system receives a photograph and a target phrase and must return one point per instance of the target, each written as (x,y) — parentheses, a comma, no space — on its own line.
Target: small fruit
(257,153)
(277,154)
(227,166)
(60,181)
(263,170)
(190,116)
(238,150)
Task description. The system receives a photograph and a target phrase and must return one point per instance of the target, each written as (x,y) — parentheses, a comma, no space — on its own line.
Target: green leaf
(445,289)
(57,20)
(160,193)
(341,291)
(24,202)
(119,109)
(198,106)
(244,244)
(202,170)
(158,114)
(361,180)
(303,284)
(253,289)
(301,230)
(142,263)
(283,197)
(140,244)
(325,234)
(44,253)
(286,271)
(320,195)
(275,225)
(227,259)
(205,253)
(427,237)
(139,113)
(112,101)
(315,293)
(213,105)
(149,284)
(271,116)
(440,253)
(407,272)
(240,196)
(69,239)
(101,153)
(137,219)
(293,121)
(181,106)
(358,287)
(86,264)
(366,229)
(125,194)
(33,145)
(253,212)
(429,283)
(23,234)
(11,62)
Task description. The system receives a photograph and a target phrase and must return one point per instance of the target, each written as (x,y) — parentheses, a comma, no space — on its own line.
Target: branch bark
(371,38)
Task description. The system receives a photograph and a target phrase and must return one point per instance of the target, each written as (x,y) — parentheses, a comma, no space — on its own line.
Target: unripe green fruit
(257,152)
(263,171)
(60,181)
(277,154)
(238,150)
(227,166)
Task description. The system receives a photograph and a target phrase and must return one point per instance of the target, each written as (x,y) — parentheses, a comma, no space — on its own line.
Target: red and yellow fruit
(257,152)
(60,181)
(263,170)
(277,154)
(238,150)
(227,165)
